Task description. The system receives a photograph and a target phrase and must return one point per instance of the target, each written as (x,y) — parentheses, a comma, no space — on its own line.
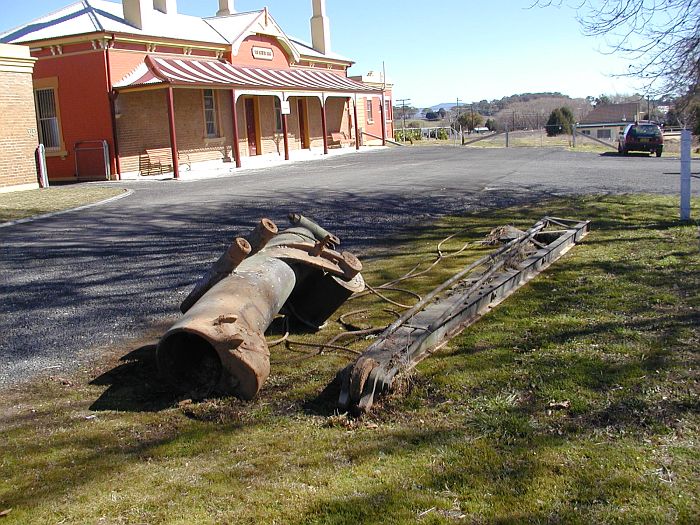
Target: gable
(263,51)
(237,30)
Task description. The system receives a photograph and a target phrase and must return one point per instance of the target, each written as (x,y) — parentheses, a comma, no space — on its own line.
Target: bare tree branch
(660,38)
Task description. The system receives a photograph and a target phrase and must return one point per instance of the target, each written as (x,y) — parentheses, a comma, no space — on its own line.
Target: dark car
(641,136)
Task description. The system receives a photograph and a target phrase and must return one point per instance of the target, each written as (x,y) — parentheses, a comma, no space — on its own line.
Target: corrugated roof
(610,113)
(195,72)
(96,16)
(231,26)
(308,51)
(90,16)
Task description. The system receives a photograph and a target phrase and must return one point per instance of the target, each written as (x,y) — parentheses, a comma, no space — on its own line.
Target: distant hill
(445,105)
(514,102)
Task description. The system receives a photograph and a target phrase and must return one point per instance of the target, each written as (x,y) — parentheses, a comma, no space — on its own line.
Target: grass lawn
(22,204)
(575,401)
(539,139)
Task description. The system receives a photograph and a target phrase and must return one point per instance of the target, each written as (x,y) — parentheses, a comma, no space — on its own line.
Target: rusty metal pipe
(319,232)
(229,261)
(219,344)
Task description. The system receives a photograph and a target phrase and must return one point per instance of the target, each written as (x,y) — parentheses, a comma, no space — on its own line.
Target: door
(303,128)
(251,127)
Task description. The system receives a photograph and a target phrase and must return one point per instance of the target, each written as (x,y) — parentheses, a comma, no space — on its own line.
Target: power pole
(403,101)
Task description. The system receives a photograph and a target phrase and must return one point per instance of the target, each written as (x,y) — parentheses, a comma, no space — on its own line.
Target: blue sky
(435,52)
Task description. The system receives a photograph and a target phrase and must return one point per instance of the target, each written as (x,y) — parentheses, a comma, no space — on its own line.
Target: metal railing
(99,151)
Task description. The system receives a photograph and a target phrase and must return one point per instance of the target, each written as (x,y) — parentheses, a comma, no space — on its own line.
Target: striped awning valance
(193,72)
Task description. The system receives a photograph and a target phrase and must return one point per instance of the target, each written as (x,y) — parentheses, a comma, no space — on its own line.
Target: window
(586,132)
(48,118)
(210,121)
(603,134)
(369,110)
(388,109)
(278,115)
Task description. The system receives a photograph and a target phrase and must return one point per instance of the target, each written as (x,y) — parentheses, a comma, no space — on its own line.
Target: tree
(561,120)
(660,38)
(672,119)
(442,112)
(491,124)
(568,117)
(470,120)
(431,115)
(603,100)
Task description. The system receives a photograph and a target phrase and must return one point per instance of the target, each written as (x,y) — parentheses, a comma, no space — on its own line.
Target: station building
(135,88)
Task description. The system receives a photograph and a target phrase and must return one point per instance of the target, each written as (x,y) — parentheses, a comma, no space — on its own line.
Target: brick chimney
(320,28)
(225,8)
(169,7)
(136,12)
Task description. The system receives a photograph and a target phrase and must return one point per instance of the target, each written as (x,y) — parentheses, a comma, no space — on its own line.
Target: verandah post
(173,135)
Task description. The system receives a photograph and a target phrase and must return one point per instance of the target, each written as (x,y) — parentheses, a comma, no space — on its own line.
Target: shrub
(561,120)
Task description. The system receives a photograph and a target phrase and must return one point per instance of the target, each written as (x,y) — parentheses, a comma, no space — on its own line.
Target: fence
(434,133)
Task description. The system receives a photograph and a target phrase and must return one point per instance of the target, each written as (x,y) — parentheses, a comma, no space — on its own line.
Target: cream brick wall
(143,124)
(18,133)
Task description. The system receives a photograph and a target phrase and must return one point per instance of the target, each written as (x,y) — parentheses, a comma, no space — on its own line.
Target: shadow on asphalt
(631,155)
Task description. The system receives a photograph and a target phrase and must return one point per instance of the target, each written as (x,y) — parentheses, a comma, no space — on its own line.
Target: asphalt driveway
(82,281)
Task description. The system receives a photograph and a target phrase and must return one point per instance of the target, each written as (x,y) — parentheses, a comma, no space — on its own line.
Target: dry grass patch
(22,204)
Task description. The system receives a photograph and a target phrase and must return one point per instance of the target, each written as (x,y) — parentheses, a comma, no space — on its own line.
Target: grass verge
(22,204)
(575,401)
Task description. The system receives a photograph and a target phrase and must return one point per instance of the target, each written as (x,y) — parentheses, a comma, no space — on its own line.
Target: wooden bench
(340,140)
(160,160)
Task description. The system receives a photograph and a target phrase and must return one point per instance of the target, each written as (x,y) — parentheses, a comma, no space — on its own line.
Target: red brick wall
(18,133)
(244,57)
(84,107)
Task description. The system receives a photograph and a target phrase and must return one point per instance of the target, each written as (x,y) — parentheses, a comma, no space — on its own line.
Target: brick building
(18,125)
(142,86)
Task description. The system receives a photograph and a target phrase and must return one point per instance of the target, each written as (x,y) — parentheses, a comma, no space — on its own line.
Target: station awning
(215,73)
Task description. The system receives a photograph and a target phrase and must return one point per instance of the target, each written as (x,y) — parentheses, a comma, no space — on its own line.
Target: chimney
(169,7)
(320,29)
(225,8)
(137,11)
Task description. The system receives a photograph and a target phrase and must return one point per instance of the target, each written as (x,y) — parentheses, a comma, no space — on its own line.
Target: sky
(436,52)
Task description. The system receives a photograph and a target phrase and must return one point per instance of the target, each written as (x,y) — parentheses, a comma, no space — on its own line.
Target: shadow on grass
(135,385)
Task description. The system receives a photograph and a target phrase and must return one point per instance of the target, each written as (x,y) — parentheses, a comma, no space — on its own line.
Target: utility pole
(403,101)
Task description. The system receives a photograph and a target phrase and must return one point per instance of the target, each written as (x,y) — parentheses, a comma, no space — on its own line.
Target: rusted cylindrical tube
(229,261)
(219,345)
(319,232)
(261,235)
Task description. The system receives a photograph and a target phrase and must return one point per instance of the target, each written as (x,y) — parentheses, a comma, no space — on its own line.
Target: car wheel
(658,152)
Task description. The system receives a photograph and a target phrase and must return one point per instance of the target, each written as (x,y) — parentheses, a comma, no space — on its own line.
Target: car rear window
(645,130)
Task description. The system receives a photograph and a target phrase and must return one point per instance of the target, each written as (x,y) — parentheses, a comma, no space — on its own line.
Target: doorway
(251,127)
(303,124)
